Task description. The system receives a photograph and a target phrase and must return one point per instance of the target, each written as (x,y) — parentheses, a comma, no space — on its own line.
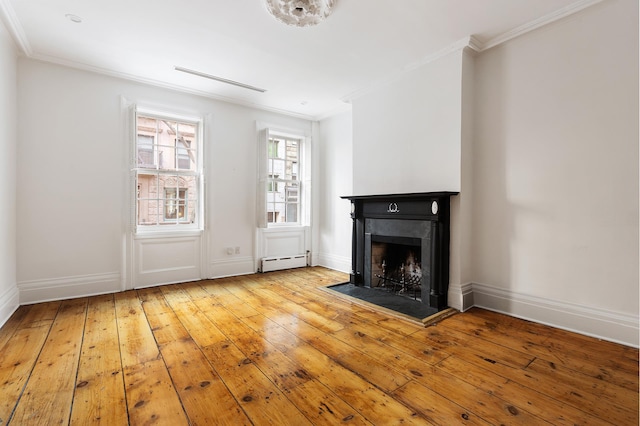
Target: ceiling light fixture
(300,13)
(220,79)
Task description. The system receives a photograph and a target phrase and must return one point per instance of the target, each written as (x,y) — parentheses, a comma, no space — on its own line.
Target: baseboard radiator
(268,264)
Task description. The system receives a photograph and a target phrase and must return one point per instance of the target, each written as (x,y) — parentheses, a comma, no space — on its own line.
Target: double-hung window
(283,184)
(168,172)
(283,198)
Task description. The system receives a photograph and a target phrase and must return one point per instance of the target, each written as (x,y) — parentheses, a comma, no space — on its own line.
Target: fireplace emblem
(393,208)
(434,207)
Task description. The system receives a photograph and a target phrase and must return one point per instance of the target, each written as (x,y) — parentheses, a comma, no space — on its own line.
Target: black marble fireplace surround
(400,243)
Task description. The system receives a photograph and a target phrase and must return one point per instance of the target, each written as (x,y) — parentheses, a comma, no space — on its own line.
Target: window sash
(169,187)
(283,201)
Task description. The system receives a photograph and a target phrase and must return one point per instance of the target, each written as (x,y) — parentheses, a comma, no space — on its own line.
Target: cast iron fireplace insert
(400,243)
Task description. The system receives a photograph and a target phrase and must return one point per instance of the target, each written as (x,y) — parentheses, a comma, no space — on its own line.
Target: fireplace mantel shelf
(412,195)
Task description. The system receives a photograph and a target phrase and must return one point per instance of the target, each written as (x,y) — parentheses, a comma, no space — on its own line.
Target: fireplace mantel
(378,213)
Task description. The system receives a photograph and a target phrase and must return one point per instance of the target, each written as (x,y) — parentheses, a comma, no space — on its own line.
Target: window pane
(291,192)
(187,131)
(175,209)
(273,148)
(277,148)
(277,167)
(145,151)
(166,157)
(167,130)
(272,213)
(280,214)
(147,199)
(185,158)
(292,150)
(292,213)
(186,155)
(143,213)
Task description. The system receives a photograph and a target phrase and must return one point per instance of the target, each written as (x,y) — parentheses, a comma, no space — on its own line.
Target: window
(168,172)
(284,172)
(283,186)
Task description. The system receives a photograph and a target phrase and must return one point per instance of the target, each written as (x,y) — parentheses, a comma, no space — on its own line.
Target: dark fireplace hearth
(400,245)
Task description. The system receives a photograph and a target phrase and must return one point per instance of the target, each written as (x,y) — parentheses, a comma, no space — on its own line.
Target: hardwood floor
(274,349)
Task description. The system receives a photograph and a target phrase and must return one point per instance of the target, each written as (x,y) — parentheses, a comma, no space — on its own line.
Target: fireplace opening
(396,266)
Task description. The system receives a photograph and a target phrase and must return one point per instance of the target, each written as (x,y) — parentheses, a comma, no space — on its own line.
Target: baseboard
(36,291)
(338,263)
(595,322)
(9,302)
(232,267)
(460,296)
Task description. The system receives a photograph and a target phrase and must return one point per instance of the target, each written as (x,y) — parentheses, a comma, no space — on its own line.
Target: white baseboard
(45,290)
(9,302)
(338,263)
(460,296)
(232,267)
(595,322)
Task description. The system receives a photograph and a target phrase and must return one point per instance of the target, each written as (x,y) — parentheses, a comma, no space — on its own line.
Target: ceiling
(311,72)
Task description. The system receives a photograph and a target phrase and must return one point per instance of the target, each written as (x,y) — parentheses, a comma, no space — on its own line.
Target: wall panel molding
(281,241)
(166,260)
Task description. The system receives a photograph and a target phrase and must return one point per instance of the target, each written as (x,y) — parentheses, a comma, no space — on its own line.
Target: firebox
(396,265)
(400,244)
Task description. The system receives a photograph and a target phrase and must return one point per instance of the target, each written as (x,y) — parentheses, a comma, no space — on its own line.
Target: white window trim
(167,229)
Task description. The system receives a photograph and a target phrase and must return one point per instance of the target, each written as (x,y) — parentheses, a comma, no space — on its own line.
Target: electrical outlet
(237,250)
(229,251)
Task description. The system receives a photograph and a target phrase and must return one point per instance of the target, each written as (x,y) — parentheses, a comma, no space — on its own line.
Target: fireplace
(400,245)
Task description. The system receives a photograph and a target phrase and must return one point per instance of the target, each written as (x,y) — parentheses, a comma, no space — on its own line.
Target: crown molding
(537,23)
(475,45)
(467,42)
(10,20)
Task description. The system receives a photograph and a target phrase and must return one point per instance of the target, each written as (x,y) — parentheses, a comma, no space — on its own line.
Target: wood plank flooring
(274,349)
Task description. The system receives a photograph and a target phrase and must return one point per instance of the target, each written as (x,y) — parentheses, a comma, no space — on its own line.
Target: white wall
(8,142)
(461,256)
(556,174)
(335,179)
(540,136)
(72,168)
(406,134)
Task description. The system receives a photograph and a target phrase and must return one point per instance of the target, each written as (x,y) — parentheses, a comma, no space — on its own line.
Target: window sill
(163,233)
(284,228)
